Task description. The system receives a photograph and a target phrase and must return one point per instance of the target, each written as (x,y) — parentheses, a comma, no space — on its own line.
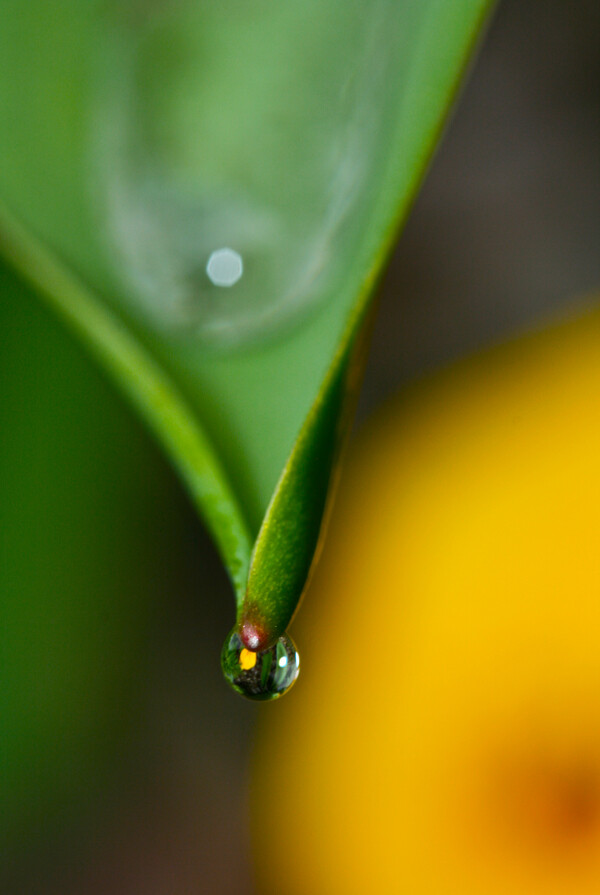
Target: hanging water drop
(263,675)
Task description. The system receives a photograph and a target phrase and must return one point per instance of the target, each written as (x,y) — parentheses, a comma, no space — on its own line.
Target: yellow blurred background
(446,734)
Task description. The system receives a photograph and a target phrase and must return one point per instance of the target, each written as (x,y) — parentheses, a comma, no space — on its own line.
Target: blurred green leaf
(85,501)
(140,138)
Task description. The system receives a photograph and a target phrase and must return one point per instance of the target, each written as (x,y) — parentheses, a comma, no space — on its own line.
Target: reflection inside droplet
(263,675)
(225,267)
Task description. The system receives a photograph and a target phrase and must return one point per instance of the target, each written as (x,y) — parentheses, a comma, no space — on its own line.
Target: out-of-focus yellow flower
(445,736)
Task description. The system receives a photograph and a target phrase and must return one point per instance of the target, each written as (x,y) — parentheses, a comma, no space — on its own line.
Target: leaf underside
(137,140)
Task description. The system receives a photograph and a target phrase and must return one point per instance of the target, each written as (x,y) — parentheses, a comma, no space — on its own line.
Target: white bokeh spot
(225,267)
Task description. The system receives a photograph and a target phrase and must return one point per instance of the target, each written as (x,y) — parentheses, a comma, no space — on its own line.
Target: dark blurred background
(143,790)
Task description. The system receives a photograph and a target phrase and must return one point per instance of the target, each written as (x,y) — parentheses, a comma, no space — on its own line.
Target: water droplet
(262,675)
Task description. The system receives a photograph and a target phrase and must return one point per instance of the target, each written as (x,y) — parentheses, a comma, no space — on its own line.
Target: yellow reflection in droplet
(247,660)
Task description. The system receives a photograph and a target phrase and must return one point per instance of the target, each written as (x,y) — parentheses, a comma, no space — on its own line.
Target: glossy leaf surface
(141,138)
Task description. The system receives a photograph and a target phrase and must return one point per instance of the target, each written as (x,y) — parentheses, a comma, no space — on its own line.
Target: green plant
(145,138)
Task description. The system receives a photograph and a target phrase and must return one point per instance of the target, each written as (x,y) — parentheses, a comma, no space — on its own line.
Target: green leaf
(86,536)
(142,138)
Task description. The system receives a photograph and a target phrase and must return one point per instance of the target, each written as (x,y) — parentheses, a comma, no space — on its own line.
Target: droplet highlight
(263,675)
